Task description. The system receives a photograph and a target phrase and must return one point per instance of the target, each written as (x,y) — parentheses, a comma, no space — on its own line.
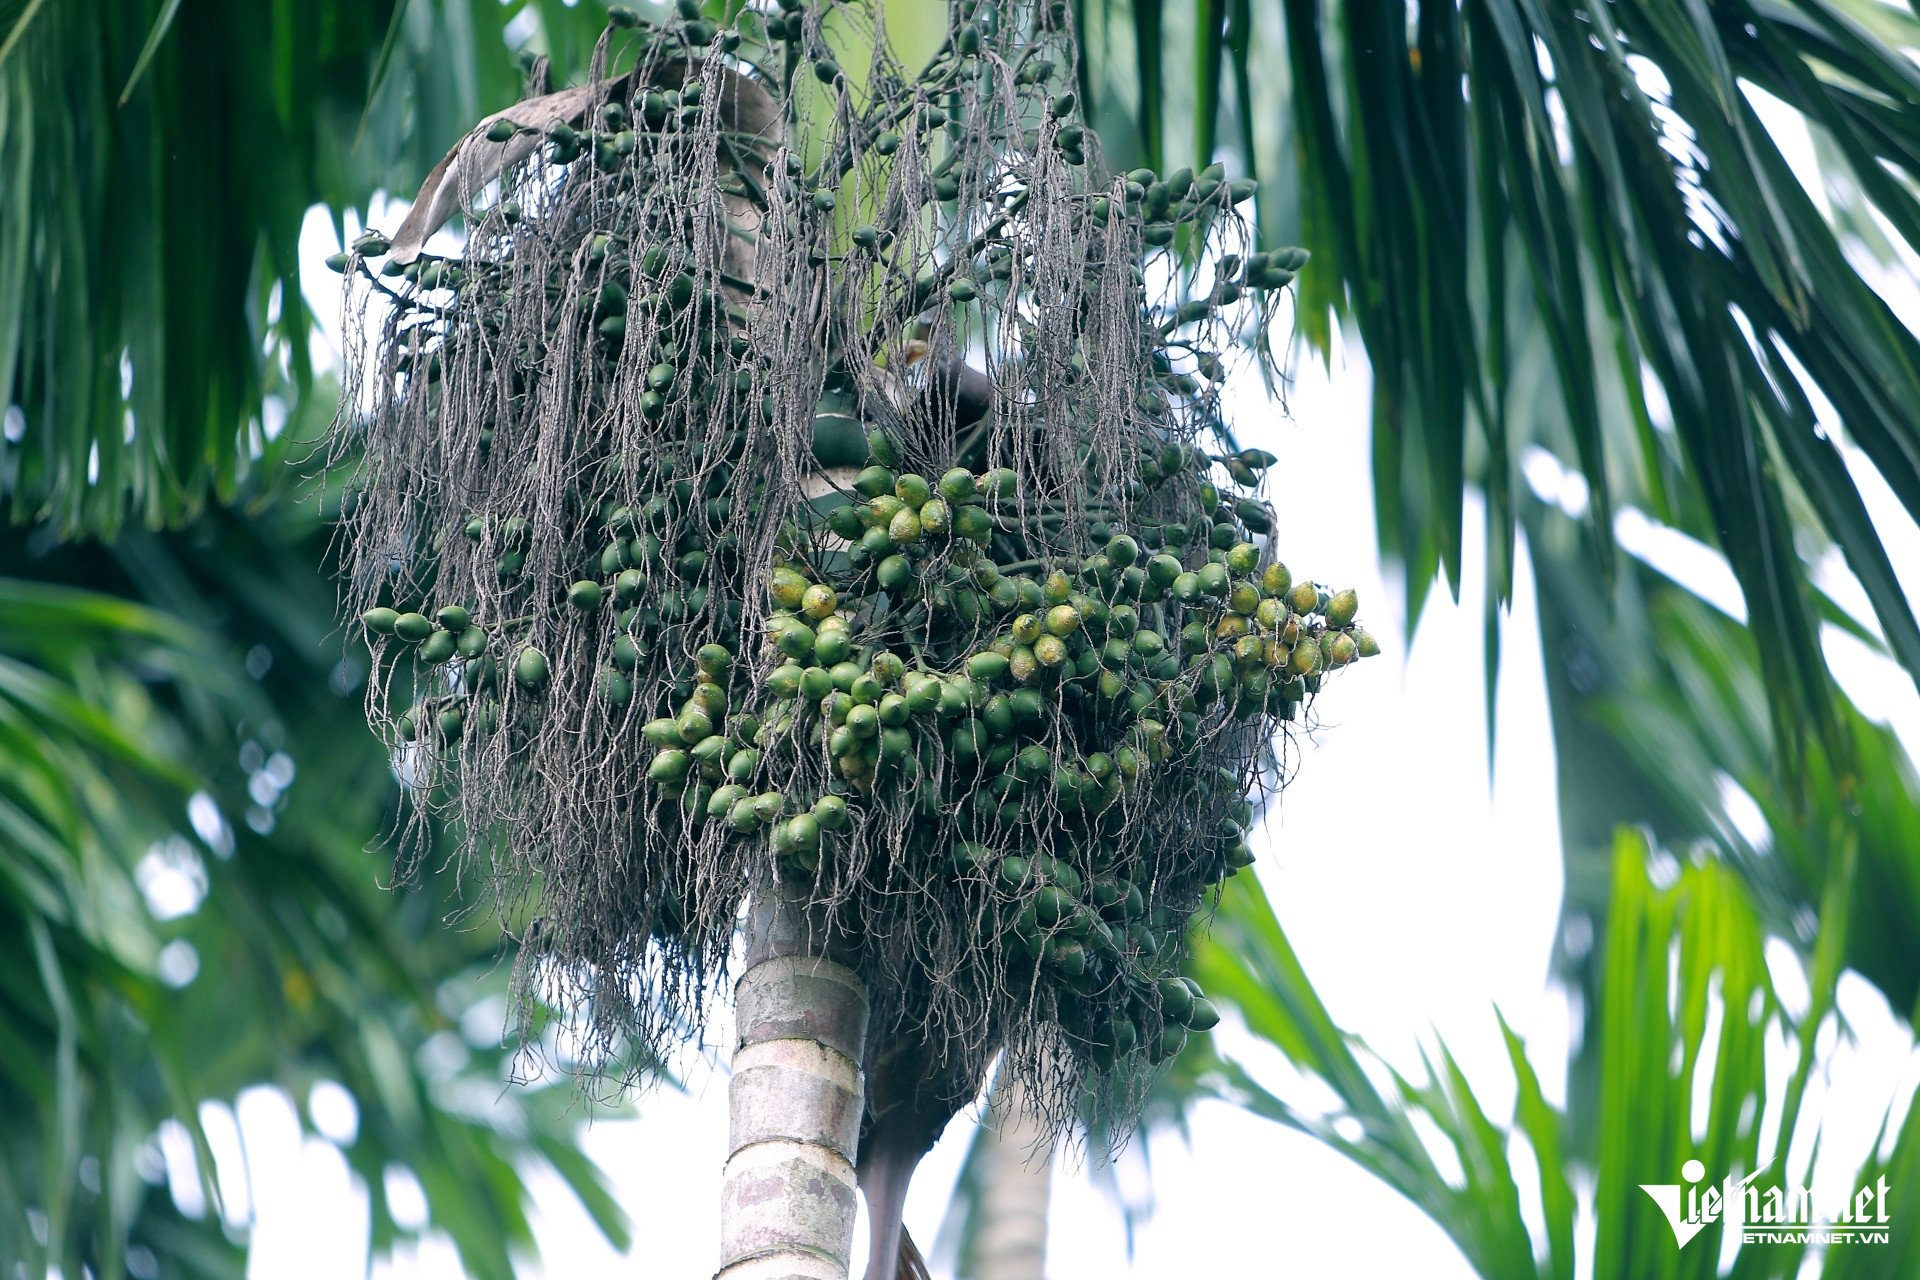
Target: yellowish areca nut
(819,601)
(913,490)
(904,528)
(788,587)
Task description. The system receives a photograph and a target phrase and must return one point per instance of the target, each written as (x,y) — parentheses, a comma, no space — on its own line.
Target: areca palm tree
(1570,228)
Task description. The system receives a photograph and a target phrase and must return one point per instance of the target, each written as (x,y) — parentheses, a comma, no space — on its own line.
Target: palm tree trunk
(1016,1185)
(797,1097)
(788,1194)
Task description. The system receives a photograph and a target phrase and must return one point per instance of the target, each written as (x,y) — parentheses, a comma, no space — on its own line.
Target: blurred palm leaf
(1685,1009)
(118,718)
(156,163)
(1660,718)
(1571,224)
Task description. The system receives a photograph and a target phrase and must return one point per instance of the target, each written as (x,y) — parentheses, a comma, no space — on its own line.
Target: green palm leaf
(1507,181)
(116,716)
(1659,704)
(158,162)
(1674,949)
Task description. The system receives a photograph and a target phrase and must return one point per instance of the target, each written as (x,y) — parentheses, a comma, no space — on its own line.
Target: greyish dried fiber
(815,474)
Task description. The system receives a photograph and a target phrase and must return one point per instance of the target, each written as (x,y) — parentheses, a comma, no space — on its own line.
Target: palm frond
(1660,719)
(1501,189)
(1685,1010)
(122,711)
(159,160)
